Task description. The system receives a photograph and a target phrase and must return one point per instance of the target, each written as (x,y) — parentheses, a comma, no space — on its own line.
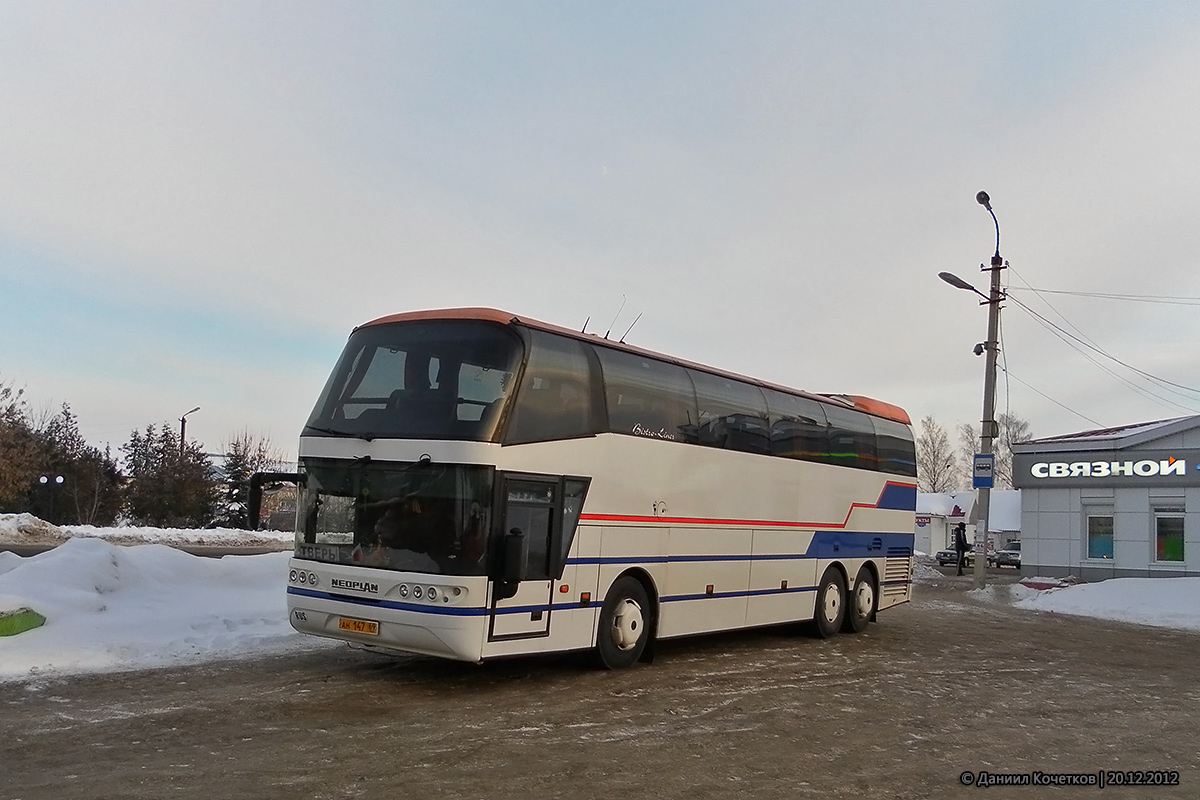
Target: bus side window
(554,400)
(732,414)
(798,427)
(851,438)
(646,397)
(897,451)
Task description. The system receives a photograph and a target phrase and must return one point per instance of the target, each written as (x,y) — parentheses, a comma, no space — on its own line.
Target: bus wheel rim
(864,599)
(627,625)
(830,603)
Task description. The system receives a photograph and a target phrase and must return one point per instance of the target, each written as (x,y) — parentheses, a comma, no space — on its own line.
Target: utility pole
(990,430)
(984,463)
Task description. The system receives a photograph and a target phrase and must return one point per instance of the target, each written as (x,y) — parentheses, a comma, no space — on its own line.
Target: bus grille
(897,574)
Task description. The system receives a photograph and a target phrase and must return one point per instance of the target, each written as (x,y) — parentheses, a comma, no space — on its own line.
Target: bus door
(532,508)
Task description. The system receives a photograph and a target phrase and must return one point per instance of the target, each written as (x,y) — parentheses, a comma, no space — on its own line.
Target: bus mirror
(516,553)
(257,480)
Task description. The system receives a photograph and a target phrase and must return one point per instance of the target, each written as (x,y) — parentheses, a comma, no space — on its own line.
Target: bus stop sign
(984,468)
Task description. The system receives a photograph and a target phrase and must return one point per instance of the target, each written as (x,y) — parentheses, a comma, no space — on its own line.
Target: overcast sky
(199,201)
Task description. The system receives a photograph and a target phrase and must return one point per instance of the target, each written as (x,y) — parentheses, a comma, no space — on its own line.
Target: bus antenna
(627,330)
(585,324)
(614,322)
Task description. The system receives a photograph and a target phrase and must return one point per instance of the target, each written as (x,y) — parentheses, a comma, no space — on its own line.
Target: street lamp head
(983,200)
(956,282)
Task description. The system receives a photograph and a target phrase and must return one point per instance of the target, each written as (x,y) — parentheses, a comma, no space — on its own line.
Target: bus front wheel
(831,605)
(624,624)
(861,603)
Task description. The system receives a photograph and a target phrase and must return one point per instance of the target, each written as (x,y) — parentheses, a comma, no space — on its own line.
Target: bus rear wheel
(831,605)
(624,624)
(861,603)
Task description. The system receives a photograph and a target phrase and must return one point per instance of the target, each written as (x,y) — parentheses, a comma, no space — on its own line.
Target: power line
(1008,375)
(1096,348)
(1071,340)
(1137,298)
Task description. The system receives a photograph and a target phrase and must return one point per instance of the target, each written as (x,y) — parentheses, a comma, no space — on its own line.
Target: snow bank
(1160,602)
(26,529)
(111,608)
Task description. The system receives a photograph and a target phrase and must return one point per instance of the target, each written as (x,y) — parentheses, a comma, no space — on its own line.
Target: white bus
(476,484)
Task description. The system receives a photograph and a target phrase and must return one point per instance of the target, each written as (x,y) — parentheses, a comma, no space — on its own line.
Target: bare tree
(968,446)
(936,470)
(1013,430)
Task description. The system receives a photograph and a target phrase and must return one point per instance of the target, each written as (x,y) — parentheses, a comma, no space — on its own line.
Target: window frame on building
(1099,513)
(1172,513)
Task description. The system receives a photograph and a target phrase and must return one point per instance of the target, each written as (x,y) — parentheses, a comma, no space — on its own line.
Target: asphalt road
(938,688)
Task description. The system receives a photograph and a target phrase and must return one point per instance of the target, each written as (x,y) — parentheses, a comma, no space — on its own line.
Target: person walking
(960,544)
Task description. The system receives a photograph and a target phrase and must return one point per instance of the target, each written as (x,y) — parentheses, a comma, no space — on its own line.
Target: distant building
(1116,502)
(938,513)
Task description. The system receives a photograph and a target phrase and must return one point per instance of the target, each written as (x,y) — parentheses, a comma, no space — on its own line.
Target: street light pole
(989,429)
(183,428)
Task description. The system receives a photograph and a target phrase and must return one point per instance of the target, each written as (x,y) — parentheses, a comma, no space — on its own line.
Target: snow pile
(214,537)
(26,529)
(923,571)
(111,608)
(1161,602)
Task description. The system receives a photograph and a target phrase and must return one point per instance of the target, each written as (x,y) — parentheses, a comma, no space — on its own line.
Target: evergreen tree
(90,490)
(244,456)
(169,485)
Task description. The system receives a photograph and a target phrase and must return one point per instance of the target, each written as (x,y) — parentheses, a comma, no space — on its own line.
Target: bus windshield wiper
(319,429)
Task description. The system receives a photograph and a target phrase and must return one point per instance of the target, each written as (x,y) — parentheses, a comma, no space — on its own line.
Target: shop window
(1100,536)
(1168,535)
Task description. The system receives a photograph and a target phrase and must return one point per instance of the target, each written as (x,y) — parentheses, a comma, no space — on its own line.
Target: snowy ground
(142,603)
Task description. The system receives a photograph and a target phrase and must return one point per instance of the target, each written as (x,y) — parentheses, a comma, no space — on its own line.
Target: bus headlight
(402,590)
(431,593)
(417,592)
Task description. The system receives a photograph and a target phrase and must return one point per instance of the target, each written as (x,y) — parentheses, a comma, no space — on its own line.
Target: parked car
(1010,556)
(949,556)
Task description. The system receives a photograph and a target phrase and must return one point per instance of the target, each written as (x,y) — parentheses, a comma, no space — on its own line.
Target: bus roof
(869,405)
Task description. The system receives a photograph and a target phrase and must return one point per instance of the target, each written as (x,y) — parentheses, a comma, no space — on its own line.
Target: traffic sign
(984,471)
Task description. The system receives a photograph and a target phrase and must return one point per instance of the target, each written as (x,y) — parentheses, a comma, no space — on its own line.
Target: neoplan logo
(1146,468)
(357,586)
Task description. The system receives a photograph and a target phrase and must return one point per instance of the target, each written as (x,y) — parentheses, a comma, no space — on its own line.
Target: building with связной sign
(1112,503)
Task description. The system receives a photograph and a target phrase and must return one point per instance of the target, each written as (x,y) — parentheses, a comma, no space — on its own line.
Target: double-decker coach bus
(476,484)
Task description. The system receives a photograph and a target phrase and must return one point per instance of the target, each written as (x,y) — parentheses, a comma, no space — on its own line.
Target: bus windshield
(434,379)
(420,517)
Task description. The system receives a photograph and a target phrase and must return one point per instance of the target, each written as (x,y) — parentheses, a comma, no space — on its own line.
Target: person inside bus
(405,526)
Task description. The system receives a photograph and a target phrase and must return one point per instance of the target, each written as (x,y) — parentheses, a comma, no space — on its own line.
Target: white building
(938,513)
(1110,503)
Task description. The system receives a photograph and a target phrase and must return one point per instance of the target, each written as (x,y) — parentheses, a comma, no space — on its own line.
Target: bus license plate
(359,626)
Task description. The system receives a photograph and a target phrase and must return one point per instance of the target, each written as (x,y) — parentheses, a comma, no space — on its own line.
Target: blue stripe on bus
(898,497)
(477,611)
